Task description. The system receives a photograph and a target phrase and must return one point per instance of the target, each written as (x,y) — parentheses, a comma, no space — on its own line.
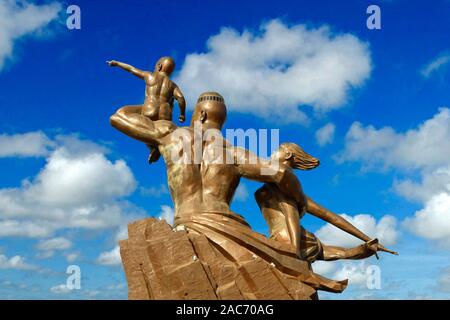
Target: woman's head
(295,157)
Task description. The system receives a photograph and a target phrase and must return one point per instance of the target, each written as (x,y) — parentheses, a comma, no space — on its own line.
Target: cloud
(427,146)
(385,230)
(323,267)
(21,228)
(422,152)
(19,19)
(325,135)
(433,182)
(110,258)
(356,273)
(242,193)
(167,214)
(77,188)
(32,144)
(444,281)
(154,191)
(16,263)
(71,257)
(58,243)
(435,65)
(433,221)
(278,69)
(60,289)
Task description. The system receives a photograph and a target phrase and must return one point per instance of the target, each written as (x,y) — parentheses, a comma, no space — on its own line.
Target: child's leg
(154,154)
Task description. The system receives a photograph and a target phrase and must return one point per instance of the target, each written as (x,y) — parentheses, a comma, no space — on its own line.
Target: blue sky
(371,104)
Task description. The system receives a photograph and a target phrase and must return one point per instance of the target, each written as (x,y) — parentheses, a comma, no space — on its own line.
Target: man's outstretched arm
(252,167)
(130,121)
(135,71)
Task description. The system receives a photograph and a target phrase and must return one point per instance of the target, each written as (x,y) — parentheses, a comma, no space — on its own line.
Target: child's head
(295,157)
(165,64)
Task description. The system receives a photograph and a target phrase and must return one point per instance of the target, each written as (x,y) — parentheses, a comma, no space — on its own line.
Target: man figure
(202,190)
(283,216)
(160,93)
(195,187)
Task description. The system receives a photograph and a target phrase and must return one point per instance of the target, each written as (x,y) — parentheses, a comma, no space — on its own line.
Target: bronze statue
(212,252)
(160,93)
(283,218)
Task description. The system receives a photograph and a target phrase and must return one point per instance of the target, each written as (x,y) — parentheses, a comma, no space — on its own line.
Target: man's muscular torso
(193,184)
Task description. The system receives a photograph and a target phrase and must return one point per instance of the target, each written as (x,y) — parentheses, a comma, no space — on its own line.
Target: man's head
(294,156)
(165,64)
(210,110)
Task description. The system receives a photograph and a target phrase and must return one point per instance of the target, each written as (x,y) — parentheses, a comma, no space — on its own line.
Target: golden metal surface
(202,189)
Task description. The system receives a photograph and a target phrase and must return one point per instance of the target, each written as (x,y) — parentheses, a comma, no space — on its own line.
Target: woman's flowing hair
(300,159)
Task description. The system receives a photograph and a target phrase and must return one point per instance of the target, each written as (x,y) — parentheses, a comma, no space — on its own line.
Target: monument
(211,252)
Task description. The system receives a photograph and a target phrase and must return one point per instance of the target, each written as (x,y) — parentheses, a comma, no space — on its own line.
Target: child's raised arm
(135,71)
(181,103)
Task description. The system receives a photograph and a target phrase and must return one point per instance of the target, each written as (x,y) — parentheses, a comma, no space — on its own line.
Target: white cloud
(167,214)
(122,233)
(154,191)
(21,228)
(242,192)
(433,221)
(435,65)
(385,230)
(356,273)
(325,135)
(45,254)
(324,267)
(277,69)
(423,152)
(60,289)
(92,293)
(427,146)
(58,243)
(77,188)
(71,257)
(110,258)
(22,18)
(444,281)
(433,182)
(16,262)
(32,144)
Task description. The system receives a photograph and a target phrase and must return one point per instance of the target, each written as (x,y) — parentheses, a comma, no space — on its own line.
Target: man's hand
(112,63)
(182,118)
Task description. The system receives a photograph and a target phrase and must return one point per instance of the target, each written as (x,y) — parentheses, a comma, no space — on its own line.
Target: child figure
(283,216)
(160,93)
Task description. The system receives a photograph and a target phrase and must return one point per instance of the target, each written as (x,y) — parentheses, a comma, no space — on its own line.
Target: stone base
(161,263)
